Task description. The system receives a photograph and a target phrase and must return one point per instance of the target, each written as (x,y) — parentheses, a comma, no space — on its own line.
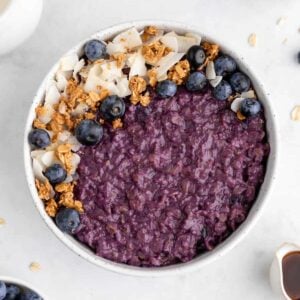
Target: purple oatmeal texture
(177,180)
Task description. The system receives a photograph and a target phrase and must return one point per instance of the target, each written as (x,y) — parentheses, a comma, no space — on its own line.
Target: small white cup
(18,20)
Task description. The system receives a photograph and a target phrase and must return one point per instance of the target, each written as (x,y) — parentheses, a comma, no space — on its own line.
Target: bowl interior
(201,260)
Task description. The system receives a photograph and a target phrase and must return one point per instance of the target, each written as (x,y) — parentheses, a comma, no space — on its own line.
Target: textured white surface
(242,273)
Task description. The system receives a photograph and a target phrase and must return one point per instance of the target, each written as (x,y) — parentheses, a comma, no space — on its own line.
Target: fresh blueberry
(39,138)
(12,292)
(223,90)
(112,107)
(298,56)
(95,49)
(250,107)
(166,88)
(67,220)
(240,82)
(195,56)
(2,290)
(55,174)
(29,295)
(89,132)
(196,82)
(224,65)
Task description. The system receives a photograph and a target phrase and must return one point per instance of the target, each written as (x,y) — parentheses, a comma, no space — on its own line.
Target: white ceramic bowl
(201,260)
(22,284)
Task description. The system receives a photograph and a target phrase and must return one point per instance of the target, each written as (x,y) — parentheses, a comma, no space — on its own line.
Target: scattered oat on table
(252,39)
(281,21)
(2,222)
(35,267)
(284,41)
(296,113)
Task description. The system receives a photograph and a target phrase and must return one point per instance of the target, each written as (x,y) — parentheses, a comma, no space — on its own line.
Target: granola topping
(179,72)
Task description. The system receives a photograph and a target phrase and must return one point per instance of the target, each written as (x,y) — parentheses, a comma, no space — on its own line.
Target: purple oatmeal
(177,180)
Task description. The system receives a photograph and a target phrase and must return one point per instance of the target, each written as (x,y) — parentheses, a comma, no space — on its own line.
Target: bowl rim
(22,283)
(229,242)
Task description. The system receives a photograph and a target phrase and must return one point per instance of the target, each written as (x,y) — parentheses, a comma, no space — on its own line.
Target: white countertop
(243,272)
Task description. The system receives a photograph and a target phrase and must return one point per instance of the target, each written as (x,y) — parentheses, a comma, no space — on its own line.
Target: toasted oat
(296,113)
(67,199)
(252,39)
(51,207)
(240,116)
(154,52)
(152,74)
(119,58)
(117,123)
(38,124)
(211,52)
(64,154)
(40,111)
(149,31)
(179,72)
(281,20)
(145,99)
(64,187)
(2,222)
(35,266)
(44,189)
(137,86)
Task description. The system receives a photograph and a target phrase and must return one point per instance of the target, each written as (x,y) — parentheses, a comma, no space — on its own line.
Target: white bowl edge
(227,244)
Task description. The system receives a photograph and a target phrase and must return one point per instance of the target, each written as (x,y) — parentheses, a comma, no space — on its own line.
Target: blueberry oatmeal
(150,148)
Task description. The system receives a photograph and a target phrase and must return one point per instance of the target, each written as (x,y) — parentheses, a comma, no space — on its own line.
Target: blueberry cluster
(225,66)
(10,291)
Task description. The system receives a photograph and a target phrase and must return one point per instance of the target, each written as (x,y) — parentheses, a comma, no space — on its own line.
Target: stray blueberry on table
(95,49)
(166,88)
(29,295)
(112,107)
(2,290)
(196,82)
(89,132)
(298,56)
(196,56)
(12,292)
(223,90)
(240,82)
(250,107)
(39,138)
(67,220)
(55,174)
(225,65)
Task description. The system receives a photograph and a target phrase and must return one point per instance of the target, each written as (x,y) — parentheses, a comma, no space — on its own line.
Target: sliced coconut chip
(210,71)
(109,71)
(236,104)
(249,94)
(216,81)
(52,95)
(68,62)
(195,36)
(185,43)
(155,38)
(170,41)
(47,115)
(138,65)
(48,158)
(123,87)
(38,170)
(129,38)
(115,48)
(74,143)
(79,65)
(37,153)
(61,80)
(171,33)
(80,109)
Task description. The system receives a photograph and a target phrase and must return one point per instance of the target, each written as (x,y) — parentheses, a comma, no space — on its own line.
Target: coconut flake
(46,117)
(216,81)
(68,62)
(79,65)
(210,71)
(61,80)
(195,36)
(48,158)
(52,95)
(236,104)
(185,43)
(170,41)
(250,94)
(129,38)
(75,160)
(80,109)
(38,170)
(115,48)
(155,38)
(63,136)
(165,63)
(74,143)
(37,154)
(123,87)
(137,65)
